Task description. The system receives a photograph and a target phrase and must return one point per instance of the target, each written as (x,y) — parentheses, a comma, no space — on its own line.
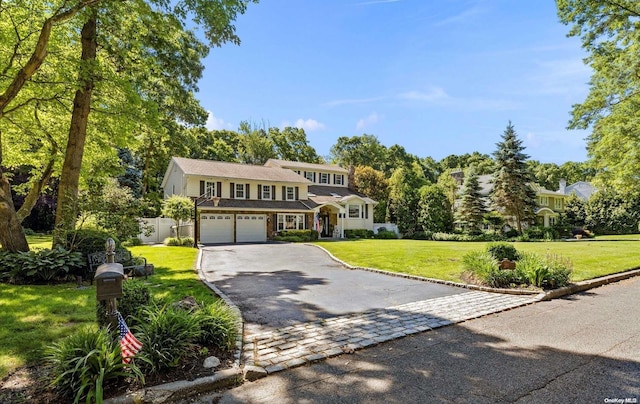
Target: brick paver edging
(432,280)
(304,343)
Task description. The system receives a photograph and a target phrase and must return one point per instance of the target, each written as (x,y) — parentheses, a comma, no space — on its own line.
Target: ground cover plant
(37,317)
(442,260)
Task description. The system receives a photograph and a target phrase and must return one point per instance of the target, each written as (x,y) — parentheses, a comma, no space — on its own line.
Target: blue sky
(438,77)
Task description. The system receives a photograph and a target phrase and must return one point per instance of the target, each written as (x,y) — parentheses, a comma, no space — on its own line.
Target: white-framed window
(558,203)
(210,189)
(309,175)
(290,221)
(552,221)
(239,191)
(544,201)
(339,179)
(291,193)
(266,192)
(354,211)
(324,178)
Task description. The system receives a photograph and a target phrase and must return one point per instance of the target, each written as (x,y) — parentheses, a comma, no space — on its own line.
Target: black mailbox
(108,279)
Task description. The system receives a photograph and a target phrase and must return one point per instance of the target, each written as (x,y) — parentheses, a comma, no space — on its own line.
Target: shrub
(480,263)
(168,335)
(217,325)
(84,362)
(501,250)
(358,233)
(297,235)
(136,295)
(551,271)
(387,234)
(511,233)
(39,266)
(134,241)
(179,242)
(87,241)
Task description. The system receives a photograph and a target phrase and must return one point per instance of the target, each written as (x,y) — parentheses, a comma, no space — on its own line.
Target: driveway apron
(278,285)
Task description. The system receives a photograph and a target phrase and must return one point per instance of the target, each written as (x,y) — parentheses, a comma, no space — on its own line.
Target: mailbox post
(108,279)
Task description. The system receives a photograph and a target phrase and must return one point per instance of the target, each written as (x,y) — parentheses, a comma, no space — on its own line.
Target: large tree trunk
(11,234)
(66,211)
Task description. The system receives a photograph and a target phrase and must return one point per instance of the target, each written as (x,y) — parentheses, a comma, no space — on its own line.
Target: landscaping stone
(252,373)
(211,362)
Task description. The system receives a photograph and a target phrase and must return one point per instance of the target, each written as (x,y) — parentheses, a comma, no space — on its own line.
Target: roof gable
(210,168)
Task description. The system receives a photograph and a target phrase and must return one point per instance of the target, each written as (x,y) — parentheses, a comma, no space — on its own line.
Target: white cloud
(433,95)
(214,123)
(368,121)
(350,101)
(309,125)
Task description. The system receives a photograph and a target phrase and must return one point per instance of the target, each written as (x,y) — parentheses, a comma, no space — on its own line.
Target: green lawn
(33,317)
(442,259)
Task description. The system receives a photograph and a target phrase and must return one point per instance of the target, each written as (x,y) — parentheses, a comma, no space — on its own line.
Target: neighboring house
(581,189)
(550,203)
(249,203)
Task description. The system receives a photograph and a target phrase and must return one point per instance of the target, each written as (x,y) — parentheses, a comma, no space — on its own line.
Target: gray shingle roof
(305,166)
(237,171)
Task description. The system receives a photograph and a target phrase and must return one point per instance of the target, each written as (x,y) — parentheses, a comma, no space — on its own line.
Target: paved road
(277,285)
(581,349)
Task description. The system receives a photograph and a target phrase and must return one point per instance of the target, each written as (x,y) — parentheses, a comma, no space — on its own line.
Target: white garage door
(251,228)
(216,228)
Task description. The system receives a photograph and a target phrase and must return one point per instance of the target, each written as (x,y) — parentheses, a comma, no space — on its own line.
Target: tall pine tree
(471,210)
(512,194)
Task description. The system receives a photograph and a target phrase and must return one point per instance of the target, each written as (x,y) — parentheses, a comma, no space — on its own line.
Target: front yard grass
(35,316)
(442,259)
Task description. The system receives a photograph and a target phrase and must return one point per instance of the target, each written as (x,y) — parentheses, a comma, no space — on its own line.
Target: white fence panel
(162,228)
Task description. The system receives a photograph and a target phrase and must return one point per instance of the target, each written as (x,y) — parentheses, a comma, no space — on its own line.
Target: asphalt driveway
(276,285)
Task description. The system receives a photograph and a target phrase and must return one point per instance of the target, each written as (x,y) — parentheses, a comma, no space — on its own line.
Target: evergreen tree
(512,194)
(471,210)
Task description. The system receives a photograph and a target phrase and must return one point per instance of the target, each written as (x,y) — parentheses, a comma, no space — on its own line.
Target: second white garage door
(216,228)
(251,228)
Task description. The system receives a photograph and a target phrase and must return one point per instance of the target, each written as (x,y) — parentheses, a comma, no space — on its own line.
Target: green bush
(290,239)
(84,362)
(134,241)
(547,272)
(358,233)
(136,295)
(501,250)
(88,241)
(39,266)
(386,234)
(179,242)
(168,335)
(480,263)
(217,325)
(303,235)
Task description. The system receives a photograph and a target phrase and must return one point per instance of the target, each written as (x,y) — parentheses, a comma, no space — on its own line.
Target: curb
(589,284)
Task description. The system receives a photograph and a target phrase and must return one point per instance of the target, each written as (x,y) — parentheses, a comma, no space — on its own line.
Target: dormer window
(324,178)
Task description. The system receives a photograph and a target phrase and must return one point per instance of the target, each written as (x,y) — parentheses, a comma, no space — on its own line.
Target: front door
(324,224)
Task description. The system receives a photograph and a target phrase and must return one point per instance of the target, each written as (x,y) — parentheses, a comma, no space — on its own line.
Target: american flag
(128,343)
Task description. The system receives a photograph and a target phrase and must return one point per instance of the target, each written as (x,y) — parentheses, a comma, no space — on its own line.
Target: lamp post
(197,201)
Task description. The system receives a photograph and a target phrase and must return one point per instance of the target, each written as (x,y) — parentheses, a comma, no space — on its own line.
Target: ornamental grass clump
(218,324)
(83,363)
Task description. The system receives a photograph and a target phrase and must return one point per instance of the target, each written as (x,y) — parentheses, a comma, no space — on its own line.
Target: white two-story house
(249,203)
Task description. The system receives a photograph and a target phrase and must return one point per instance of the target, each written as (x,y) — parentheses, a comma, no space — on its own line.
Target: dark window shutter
(314,177)
(275,220)
(334,178)
(366,211)
(297,194)
(259,191)
(201,187)
(247,192)
(305,174)
(284,193)
(273,192)
(232,190)
(219,189)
